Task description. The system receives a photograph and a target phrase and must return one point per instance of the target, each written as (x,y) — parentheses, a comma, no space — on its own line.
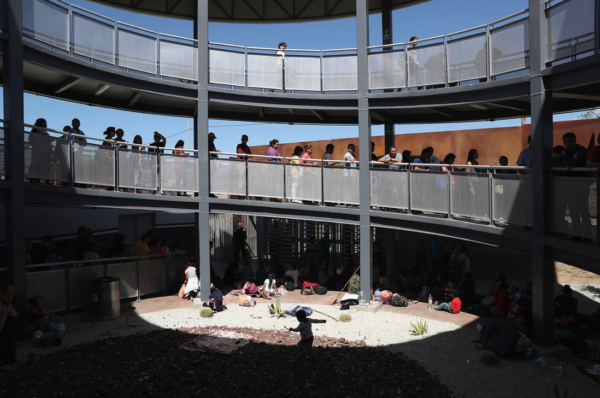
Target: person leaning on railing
(141,248)
(272,151)
(327,156)
(41,152)
(296,173)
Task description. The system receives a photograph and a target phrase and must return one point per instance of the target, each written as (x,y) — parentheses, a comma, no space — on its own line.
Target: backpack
(320,290)
(307,290)
(288,284)
(354,286)
(399,301)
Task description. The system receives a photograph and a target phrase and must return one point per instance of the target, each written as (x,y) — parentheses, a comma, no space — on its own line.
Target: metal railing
(66,285)
(479,54)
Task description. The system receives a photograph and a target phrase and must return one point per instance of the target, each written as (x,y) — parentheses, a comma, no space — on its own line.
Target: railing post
(321,70)
(71,36)
(491,189)
(116,31)
(449,194)
(246,177)
(158,56)
(159,173)
(116,147)
(246,62)
(322,183)
(137,277)
(446,72)
(406,79)
(283,163)
(488,43)
(409,192)
(71,162)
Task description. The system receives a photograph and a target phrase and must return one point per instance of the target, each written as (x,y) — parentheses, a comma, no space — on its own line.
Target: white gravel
(446,350)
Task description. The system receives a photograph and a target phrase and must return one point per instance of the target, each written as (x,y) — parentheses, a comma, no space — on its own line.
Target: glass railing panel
(137,169)
(265,179)
(467,58)
(93,38)
(426,65)
(151,276)
(137,50)
(94,164)
(303,72)
(227,67)
(46,157)
(46,22)
(389,188)
(127,278)
(573,205)
(178,173)
(265,71)
(178,59)
(303,182)
(570,26)
(512,201)
(427,191)
(470,194)
(387,70)
(228,177)
(340,72)
(341,185)
(510,47)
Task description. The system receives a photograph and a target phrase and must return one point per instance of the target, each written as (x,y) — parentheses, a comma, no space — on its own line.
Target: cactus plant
(489,358)
(420,328)
(206,312)
(275,310)
(345,317)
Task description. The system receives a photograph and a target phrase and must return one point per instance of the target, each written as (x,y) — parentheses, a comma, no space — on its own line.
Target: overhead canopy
(259,11)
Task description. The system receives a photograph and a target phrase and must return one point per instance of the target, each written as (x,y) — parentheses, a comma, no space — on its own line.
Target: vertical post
(159,175)
(284,182)
(67,290)
(491,189)
(364,142)
(158,60)
(201,30)
(322,184)
(246,176)
(14,146)
(71,163)
(541,136)
(488,67)
(597,29)
(449,194)
(597,209)
(446,74)
(116,148)
(71,43)
(388,67)
(408,188)
(116,32)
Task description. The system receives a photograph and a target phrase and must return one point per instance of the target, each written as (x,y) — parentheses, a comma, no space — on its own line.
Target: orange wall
(490,143)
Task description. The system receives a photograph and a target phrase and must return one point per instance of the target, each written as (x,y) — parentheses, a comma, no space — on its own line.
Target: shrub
(420,328)
(206,312)
(345,317)
(489,358)
(275,310)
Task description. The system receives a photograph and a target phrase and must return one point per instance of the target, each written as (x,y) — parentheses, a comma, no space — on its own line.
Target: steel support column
(364,143)
(387,35)
(203,157)
(14,153)
(541,144)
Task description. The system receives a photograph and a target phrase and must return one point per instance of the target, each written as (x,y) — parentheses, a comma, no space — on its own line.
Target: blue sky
(426,20)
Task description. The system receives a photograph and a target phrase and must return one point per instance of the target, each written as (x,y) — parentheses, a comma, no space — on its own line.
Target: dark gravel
(151,364)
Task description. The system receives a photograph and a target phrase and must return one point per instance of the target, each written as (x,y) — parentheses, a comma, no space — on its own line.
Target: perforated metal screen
(387,70)
(227,67)
(2,168)
(265,71)
(46,157)
(137,169)
(46,22)
(339,73)
(426,65)
(178,173)
(80,280)
(510,47)
(303,182)
(265,179)
(303,72)
(570,27)
(512,199)
(178,60)
(93,38)
(127,278)
(389,188)
(467,58)
(573,204)
(151,276)
(51,286)
(94,164)
(428,191)
(227,177)
(137,51)
(471,195)
(340,185)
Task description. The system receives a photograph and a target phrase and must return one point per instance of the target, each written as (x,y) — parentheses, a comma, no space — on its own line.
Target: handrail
(178,37)
(467,30)
(427,39)
(168,255)
(136,27)
(339,50)
(386,45)
(92,12)
(225,45)
(516,14)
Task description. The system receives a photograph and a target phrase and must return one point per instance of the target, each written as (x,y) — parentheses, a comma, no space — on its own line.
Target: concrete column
(14,146)
(364,143)
(387,35)
(541,145)
(203,157)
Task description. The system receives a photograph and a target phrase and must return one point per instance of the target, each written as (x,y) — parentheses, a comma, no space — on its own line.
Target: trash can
(105,298)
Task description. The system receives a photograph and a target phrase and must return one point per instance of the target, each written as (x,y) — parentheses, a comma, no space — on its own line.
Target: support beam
(291,111)
(261,113)
(133,98)
(451,113)
(383,117)
(559,94)
(101,89)
(509,105)
(541,144)
(66,84)
(478,106)
(203,255)
(318,114)
(364,145)
(14,141)
(388,67)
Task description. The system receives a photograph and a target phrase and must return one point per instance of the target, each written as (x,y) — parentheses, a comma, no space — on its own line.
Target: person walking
(239,237)
(296,173)
(306,336)
(280,66)
(350,164)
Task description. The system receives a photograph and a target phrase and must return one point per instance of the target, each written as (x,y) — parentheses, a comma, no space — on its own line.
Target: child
(514,294)
(453,307)
(306,335)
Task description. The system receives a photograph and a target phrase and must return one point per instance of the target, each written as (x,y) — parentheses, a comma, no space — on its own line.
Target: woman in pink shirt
(307,155)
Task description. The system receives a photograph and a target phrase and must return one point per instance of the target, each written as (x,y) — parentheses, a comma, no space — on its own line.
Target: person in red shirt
(453,307)
(502,302)
(156,249)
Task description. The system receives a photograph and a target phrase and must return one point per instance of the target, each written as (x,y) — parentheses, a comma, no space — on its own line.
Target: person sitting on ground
(293,273)
(565,305)
(190,287)
(521,322)
(450,286)
(215,299)
(270,285)
(246,274)
(502,301)
(232,274)
(91,254)
(156,249)
(261,273)
(453,307)
(36,317)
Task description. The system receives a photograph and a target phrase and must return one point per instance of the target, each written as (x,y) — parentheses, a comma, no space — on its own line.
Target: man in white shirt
(393,159)
(415,77)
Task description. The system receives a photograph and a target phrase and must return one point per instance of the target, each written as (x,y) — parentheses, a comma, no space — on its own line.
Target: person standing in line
(393,159)
(473,180)
(121,142)
(328,157)
(306,336)
(525,158)
(180,167)
(307,155)
(272,151)
(242,149)
(350,163)
(211,145)
(280,66)
(41,153)
(159,142)
(414,71)
(141,248)
(423,159)
(78,144)
(75,123)
(239,237)
(296,173)
(433,159)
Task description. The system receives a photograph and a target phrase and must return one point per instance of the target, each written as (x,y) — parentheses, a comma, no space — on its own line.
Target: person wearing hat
(211,145)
